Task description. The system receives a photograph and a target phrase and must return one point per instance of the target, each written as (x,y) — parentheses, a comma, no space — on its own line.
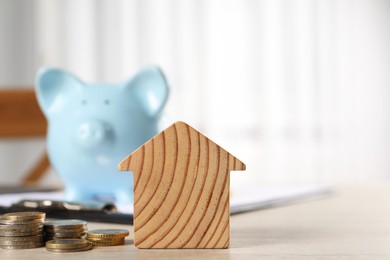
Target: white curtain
(297,89)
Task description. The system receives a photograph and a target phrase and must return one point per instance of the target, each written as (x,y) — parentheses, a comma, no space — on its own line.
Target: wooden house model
(181,190)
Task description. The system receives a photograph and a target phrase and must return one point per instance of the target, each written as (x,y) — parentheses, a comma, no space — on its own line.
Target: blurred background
(297,89)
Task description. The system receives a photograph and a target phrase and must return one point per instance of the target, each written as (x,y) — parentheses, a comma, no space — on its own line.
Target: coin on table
(38,237)
(20,232)
(108,233)
(104,239)
(29,215)
(67,244)
(65,224)
(59,250)
(109,243)
(20,221)
(65,235)
(26,246)
(26,226)
(71,231)
(15,243)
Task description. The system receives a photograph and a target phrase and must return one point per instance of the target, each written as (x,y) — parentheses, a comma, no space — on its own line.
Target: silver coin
(78,231)
(21,233)
(17,243)
(65,224)
(22,246)
(28,238)
(12,228)
(71,231)
(66,234)
(70,237)
(58,250)
(21,226)
(67,243)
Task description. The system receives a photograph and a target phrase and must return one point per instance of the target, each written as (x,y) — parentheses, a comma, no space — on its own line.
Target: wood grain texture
(181,190)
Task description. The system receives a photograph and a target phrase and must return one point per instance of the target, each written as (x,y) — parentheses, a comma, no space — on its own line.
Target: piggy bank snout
(93,134)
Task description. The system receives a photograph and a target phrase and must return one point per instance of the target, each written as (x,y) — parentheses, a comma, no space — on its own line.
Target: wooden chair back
(21,117)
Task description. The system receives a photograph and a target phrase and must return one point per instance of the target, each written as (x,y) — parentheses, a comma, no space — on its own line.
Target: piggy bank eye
(84,102)
(106,102)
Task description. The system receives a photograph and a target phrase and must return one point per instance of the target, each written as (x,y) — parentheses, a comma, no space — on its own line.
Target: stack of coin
(107,237)
(21,230)
(60,229)
(68,245)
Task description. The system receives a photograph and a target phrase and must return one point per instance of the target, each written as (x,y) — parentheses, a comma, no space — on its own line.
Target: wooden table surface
(353,223)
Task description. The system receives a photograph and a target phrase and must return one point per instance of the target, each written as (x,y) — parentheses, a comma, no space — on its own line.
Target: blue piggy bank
(92,127)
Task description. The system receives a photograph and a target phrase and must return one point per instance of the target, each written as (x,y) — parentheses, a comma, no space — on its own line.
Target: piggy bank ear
(149,89)
(51,87)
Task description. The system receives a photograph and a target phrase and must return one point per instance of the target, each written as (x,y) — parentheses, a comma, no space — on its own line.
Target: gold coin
(103,239)
(108,233)
(67,243)
(66,224)
(112,243)
(24,215)
(60,250)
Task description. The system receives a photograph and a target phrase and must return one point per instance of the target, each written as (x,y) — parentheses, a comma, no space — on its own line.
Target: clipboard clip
(55,205)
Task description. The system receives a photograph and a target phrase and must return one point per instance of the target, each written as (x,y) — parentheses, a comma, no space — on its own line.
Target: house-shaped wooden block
(181,190)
